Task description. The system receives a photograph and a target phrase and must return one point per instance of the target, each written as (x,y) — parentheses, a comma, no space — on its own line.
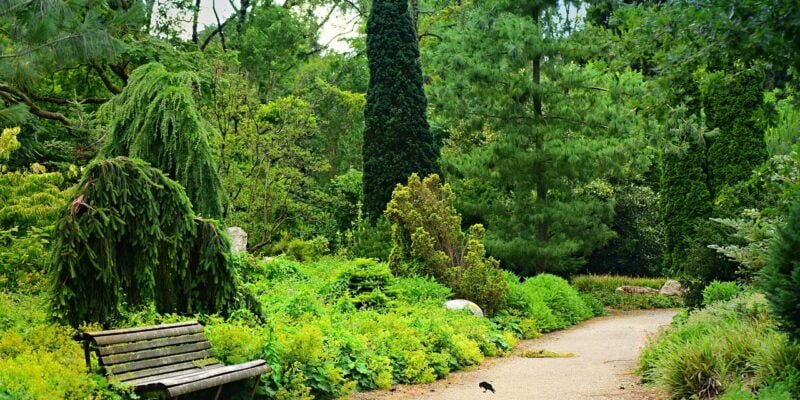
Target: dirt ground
(605,349)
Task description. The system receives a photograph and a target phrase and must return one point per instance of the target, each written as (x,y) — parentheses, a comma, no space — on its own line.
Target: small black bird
(486,386)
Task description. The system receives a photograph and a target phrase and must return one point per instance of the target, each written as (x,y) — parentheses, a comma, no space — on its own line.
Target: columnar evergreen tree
(130,237)
(156,119)
(554,131)
(397,139)
(685,198)
(731,103)
(781,277)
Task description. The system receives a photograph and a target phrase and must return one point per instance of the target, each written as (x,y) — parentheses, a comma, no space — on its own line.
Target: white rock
(460,304)
(238,239)
(672,288)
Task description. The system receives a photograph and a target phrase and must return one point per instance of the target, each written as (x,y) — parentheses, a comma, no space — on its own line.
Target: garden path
(605,348)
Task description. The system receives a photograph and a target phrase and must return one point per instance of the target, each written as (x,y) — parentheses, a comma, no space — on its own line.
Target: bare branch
(106,81)
(32,107)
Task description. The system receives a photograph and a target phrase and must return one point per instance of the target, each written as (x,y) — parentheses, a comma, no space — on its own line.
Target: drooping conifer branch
(130,237)
(155,118)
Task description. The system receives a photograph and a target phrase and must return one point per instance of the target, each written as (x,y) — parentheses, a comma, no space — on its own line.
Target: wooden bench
(175,358)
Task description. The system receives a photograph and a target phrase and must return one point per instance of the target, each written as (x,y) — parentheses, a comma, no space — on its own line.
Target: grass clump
(730,348)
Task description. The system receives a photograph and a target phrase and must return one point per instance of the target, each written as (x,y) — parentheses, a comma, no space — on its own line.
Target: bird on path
(486,386)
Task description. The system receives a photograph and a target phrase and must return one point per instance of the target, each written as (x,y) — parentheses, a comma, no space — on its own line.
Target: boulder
(238,239)
(636,290)
(672,288)
(461,304)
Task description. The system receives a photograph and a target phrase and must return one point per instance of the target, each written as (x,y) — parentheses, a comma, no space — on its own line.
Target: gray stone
(672,288)
(636,290)
(461,304)
(238,239)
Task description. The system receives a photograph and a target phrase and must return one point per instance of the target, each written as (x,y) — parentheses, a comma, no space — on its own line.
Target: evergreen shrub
(781,276)
(428,241)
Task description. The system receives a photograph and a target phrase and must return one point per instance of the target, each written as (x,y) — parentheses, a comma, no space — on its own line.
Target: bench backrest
(135,353)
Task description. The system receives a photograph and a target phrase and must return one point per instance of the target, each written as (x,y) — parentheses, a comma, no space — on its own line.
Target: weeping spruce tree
(554,133)
(156,119)
(130,238)
(397,138)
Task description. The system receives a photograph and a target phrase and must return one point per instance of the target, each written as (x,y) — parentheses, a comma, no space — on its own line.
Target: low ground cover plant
(730,349)
(603,288)
(327,328)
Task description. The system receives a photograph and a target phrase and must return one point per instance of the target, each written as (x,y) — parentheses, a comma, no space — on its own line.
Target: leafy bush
(781,277)
(427,240)
(720,291)
(369,284)
(719,349)
(548,300)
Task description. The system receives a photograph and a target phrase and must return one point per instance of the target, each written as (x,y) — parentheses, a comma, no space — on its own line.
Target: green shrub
(427,240)
(369,284)
(781,277)
(302,250)
(560,297)
(720,291)
(419,290)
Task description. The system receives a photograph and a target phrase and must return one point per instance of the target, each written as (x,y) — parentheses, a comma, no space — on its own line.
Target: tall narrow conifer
(397,138)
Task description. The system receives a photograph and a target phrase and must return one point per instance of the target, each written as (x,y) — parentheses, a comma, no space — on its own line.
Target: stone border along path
(606,351)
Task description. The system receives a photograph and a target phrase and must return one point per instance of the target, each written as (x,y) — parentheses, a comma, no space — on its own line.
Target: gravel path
(605,349)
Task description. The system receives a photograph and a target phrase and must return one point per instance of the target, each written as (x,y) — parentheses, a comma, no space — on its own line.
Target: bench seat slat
(105,340)
(154,353)
(126,377)
(150,344)
(220,376)
(139,329)
(142,382)
(157,362)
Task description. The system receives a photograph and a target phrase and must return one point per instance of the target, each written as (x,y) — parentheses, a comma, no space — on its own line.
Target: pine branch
(41,46)
(32,107)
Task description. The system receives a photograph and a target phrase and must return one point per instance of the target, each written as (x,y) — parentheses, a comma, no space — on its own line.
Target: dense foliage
(129,236)
(782,275)
(550,132)
(641,138)
(397,139)
(729,348)
(428,241)
(155,119)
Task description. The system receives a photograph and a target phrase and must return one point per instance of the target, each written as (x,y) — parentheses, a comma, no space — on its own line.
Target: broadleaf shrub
(720,291)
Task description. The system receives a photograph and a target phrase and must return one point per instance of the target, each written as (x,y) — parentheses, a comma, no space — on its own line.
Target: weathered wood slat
(150,344)
(220,376)
(142,373)
(139,329)
(142,382)
(155,353)
(158,362)
(146,335)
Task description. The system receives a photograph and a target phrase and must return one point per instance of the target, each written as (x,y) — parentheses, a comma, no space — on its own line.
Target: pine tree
(156,119)
(397,138)
(731,103)
(130,237)
(555,132)
(781,277)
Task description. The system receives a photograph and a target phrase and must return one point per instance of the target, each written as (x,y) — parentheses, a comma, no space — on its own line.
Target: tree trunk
(195,17)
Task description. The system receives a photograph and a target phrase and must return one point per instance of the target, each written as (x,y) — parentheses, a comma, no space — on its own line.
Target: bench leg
(219,390)
(255,386)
